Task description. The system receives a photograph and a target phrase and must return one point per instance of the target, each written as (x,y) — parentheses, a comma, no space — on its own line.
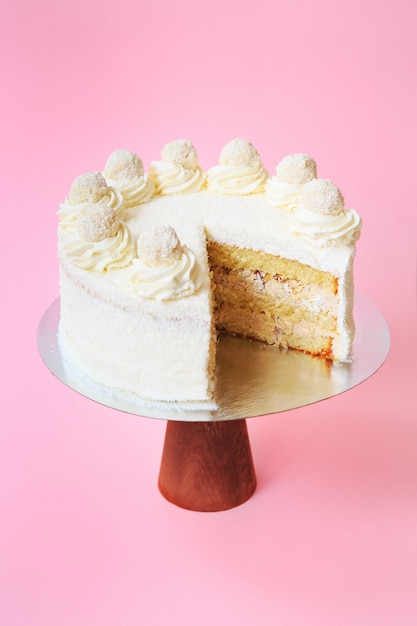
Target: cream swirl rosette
(103,243)
(321,218)
(239,172)
(284,189)
(89,188)
(178,171)
(124,171)
(164,269)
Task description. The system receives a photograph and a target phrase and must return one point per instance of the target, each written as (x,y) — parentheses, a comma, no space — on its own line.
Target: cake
(154,265)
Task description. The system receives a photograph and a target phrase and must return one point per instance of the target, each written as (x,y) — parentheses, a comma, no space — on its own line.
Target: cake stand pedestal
(207,462)
(207,466)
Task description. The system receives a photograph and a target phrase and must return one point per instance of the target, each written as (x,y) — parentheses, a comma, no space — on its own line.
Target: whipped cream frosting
(167,281)
(68,213)
(134,191)
(240,170)
(169,178)
(124,171)
(283,190)
(178,170)
(110,253)
(282,195)
(237,179)
(326,230)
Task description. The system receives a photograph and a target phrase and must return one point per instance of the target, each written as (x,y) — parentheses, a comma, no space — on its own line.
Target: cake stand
(206,461)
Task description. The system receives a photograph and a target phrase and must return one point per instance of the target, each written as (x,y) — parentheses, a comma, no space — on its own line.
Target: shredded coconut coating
(96,223)
(123,165)
(180,152)
(296,169)
(239,152)
(321,195)
(89,187)
(159,245)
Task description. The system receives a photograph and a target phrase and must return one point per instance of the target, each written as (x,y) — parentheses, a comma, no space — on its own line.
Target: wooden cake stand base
(207,466)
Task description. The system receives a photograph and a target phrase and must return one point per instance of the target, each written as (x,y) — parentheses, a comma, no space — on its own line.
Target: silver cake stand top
(253,379)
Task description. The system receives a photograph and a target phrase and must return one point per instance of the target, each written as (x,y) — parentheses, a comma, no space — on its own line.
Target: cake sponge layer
(276,300)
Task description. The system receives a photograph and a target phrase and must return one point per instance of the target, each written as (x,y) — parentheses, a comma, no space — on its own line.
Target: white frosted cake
(154,265)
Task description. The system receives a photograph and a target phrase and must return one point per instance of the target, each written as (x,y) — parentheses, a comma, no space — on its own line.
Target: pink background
(330,536)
